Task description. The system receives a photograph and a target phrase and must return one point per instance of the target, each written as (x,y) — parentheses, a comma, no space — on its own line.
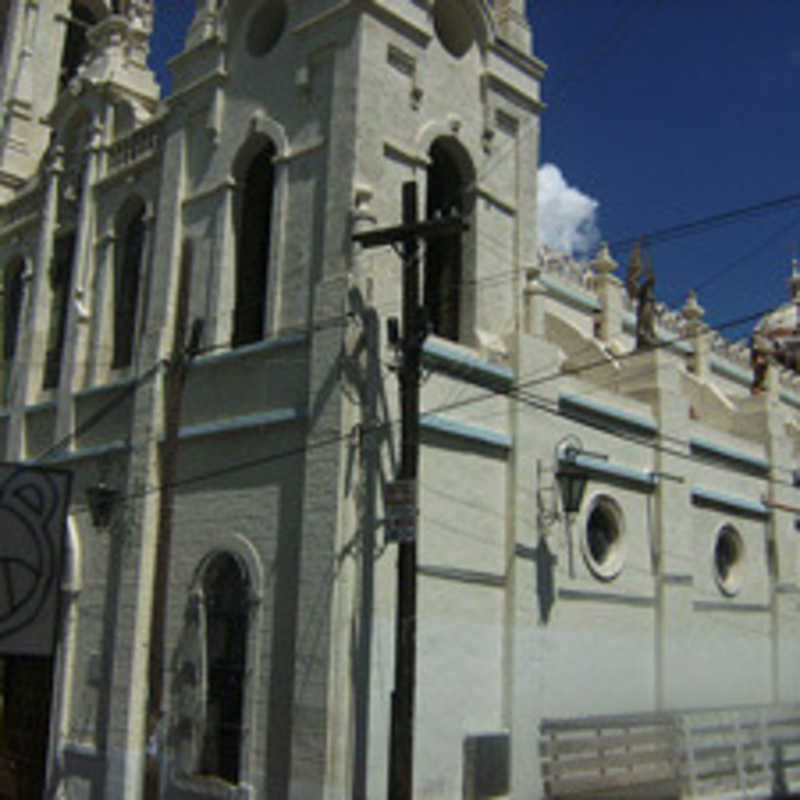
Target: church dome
(778,333)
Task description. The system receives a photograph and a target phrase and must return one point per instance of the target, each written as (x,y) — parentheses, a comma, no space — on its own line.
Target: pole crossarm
(425,229)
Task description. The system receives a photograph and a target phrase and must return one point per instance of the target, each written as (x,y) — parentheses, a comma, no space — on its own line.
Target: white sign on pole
(401,511)
(33,513)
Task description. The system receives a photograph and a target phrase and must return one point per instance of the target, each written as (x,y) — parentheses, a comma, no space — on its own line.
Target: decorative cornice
(739,505)
(471,433)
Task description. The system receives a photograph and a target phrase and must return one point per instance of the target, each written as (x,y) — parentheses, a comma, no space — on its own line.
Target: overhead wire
(515,392)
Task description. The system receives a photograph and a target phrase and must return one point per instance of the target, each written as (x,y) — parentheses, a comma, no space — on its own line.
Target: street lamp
(571,479)
(102,499)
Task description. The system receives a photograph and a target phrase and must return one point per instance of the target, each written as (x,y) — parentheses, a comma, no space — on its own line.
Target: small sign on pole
(401,511)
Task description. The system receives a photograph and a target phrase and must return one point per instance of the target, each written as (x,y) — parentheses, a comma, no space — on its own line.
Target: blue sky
(663,112)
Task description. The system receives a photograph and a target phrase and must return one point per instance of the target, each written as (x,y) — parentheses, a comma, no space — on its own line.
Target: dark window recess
(76,45)
(60,277)
(225,590)
(3,24)
(254,211)
(443,256)
(25,691)
(126,289)
(12,307)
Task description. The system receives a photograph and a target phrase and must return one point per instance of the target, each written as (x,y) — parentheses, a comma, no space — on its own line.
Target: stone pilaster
(74,349)
(222,280)
(33,346)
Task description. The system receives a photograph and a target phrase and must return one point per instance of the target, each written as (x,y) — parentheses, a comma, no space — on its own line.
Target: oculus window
(603,540)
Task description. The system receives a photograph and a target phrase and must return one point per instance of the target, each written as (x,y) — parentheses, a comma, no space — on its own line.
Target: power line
(703,224)
(514,393)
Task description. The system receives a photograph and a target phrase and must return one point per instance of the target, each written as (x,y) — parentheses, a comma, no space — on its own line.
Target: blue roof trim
(728,455)
(484,436)
(243,422)
(790,398)
(119,383)
(264,346)
(614,472)
(476,370)
(731,371)
(593,413)
(569,295)
(117,446)
(741,505)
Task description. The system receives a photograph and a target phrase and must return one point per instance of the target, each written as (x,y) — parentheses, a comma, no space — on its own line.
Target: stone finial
(692,311)
(603,263)
(794,283)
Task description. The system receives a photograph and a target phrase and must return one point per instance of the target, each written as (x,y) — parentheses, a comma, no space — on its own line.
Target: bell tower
(45,46)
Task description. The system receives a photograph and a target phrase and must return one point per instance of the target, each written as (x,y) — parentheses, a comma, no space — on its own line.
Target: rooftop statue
(644,295)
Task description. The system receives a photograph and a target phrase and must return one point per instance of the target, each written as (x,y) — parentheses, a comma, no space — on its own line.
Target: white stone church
(189,328)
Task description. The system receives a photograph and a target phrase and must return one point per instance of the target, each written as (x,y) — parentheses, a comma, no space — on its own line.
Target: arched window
(3,26)
(76,45)
(12,306)
(225,592)
(253,215)
(448,182)
(60,278)
(127,266)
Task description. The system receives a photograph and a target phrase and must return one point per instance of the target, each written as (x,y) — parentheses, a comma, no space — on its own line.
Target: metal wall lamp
(571,478)
(102,500)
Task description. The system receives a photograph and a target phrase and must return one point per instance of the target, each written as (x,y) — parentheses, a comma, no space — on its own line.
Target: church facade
(190,328)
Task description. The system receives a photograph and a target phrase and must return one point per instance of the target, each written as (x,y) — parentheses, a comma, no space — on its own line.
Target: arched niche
(129,234)
(254,174)
(459,24)
(449,267)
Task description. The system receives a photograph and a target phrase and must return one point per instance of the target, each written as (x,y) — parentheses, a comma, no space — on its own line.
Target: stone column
(609,289)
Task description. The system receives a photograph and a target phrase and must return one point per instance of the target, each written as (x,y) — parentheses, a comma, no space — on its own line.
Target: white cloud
(567,216)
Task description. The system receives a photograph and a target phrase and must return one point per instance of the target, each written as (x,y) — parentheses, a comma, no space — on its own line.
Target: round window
(728,560)
(604,539)
(266,27)
(452,27)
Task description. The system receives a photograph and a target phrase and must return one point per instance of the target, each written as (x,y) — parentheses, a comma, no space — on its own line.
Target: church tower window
(226,592)
(253,222)
(266,27)
(444,257)
(76,45)
(3,26)
(60,278)
(127,266)
(12,307)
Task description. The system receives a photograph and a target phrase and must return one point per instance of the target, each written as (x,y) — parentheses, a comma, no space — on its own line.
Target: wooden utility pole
(401,748)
